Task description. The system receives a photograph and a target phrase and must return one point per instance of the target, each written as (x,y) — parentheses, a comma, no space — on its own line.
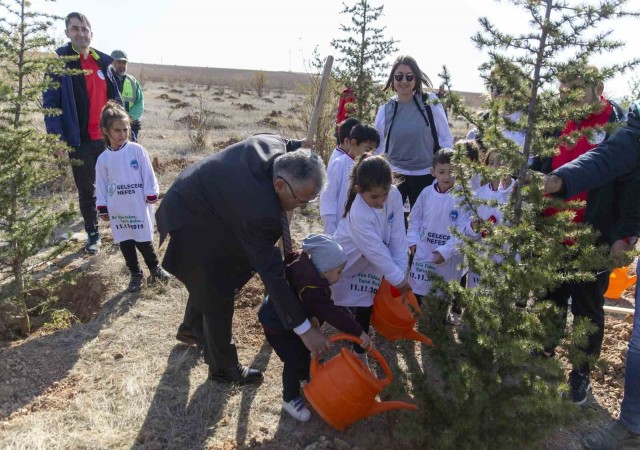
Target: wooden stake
(326,74)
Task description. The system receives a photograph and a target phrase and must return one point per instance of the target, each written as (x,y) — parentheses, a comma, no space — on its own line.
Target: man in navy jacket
(81,98)
(617,159)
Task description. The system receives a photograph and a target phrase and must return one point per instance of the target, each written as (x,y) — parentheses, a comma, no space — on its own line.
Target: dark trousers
(362,315)
(296,358)
(587,300)
(135,130)
(83,166)
(411,186)
(215,328)
(128,249)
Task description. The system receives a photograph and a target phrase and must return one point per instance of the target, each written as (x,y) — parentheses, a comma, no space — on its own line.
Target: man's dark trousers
(587,301)
(83,160)
(214,319)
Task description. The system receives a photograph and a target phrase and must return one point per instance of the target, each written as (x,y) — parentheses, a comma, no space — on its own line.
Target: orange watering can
(619,281)
(395,317)
(343,390)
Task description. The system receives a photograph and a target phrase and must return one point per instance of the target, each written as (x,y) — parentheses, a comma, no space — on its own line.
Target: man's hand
(552,184)
(316,342)
(308,144)
(619,253)
(412,250)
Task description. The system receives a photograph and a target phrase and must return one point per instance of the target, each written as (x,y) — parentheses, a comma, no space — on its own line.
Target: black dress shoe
(239,375)
(189,337)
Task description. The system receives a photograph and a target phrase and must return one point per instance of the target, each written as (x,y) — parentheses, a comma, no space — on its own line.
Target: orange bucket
(619,281)
(394,317)
(343,390)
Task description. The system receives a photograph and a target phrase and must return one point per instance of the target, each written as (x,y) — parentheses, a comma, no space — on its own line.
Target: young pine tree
(496,389)
(28,162)
(362,56)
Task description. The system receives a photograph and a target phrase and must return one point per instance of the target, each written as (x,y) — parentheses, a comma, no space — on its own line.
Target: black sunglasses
(408,76)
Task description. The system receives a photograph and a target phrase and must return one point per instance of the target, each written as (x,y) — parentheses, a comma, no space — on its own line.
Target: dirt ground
(119,379)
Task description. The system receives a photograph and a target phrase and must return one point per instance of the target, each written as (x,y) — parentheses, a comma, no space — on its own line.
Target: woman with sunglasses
(410,132)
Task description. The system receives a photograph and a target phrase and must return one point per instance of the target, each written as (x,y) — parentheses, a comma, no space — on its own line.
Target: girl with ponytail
(372,234)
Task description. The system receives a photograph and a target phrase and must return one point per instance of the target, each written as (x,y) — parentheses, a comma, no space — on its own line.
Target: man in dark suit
(225,215)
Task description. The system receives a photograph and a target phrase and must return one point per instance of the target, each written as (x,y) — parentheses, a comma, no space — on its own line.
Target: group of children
(363,217)
(337,274)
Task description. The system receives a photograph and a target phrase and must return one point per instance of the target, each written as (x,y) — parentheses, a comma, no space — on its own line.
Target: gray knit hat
(324,251)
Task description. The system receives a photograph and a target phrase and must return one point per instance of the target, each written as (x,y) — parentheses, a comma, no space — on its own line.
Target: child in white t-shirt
(363,139)
(498,189)
(343,147)
(430,238)
(373,236)
(126,189)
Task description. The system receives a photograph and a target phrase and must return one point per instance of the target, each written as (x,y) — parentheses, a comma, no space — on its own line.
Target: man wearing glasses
(81,99)
(225,215)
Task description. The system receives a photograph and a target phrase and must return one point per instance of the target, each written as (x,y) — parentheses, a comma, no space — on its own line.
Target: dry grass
(123,381)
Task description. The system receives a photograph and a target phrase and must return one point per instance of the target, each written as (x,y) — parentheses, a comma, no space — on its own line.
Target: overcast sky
(281,34)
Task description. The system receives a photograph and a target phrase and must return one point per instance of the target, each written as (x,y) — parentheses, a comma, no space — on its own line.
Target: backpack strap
(428,118)
(386,143)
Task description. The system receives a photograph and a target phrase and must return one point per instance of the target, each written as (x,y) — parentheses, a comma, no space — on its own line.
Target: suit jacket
(224,218)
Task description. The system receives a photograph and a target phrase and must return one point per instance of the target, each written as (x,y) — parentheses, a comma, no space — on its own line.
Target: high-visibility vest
(129,92)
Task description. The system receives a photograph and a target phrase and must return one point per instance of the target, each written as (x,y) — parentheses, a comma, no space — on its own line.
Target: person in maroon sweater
(310,272)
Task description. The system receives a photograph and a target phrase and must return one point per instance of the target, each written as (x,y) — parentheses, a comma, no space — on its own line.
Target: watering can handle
(376,354)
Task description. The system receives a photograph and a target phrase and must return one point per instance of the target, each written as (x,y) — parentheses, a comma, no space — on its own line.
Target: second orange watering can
(343,390)
(394,316)
(619,281)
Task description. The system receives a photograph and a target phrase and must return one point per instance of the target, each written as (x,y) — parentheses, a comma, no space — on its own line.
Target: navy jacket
(615,160)
(69,98)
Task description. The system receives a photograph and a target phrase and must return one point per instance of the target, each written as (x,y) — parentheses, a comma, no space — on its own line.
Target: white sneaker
(297,409)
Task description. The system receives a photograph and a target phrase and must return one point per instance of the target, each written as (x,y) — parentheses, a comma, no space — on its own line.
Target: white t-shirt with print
(490,213)
(124,178)
(432,216)
(376,246)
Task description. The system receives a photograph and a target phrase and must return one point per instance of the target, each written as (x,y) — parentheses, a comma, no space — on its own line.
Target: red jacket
(345,98)
(566,154)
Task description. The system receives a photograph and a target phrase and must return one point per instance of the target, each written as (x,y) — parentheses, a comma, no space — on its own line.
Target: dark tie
(286,233)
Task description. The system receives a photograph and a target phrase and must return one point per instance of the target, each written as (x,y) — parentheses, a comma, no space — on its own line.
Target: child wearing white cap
(310,272)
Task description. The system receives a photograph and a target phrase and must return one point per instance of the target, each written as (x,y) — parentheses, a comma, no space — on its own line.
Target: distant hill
(285,81)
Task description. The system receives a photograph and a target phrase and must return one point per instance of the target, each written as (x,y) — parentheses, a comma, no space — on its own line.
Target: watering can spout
(416,336)
(390,406)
